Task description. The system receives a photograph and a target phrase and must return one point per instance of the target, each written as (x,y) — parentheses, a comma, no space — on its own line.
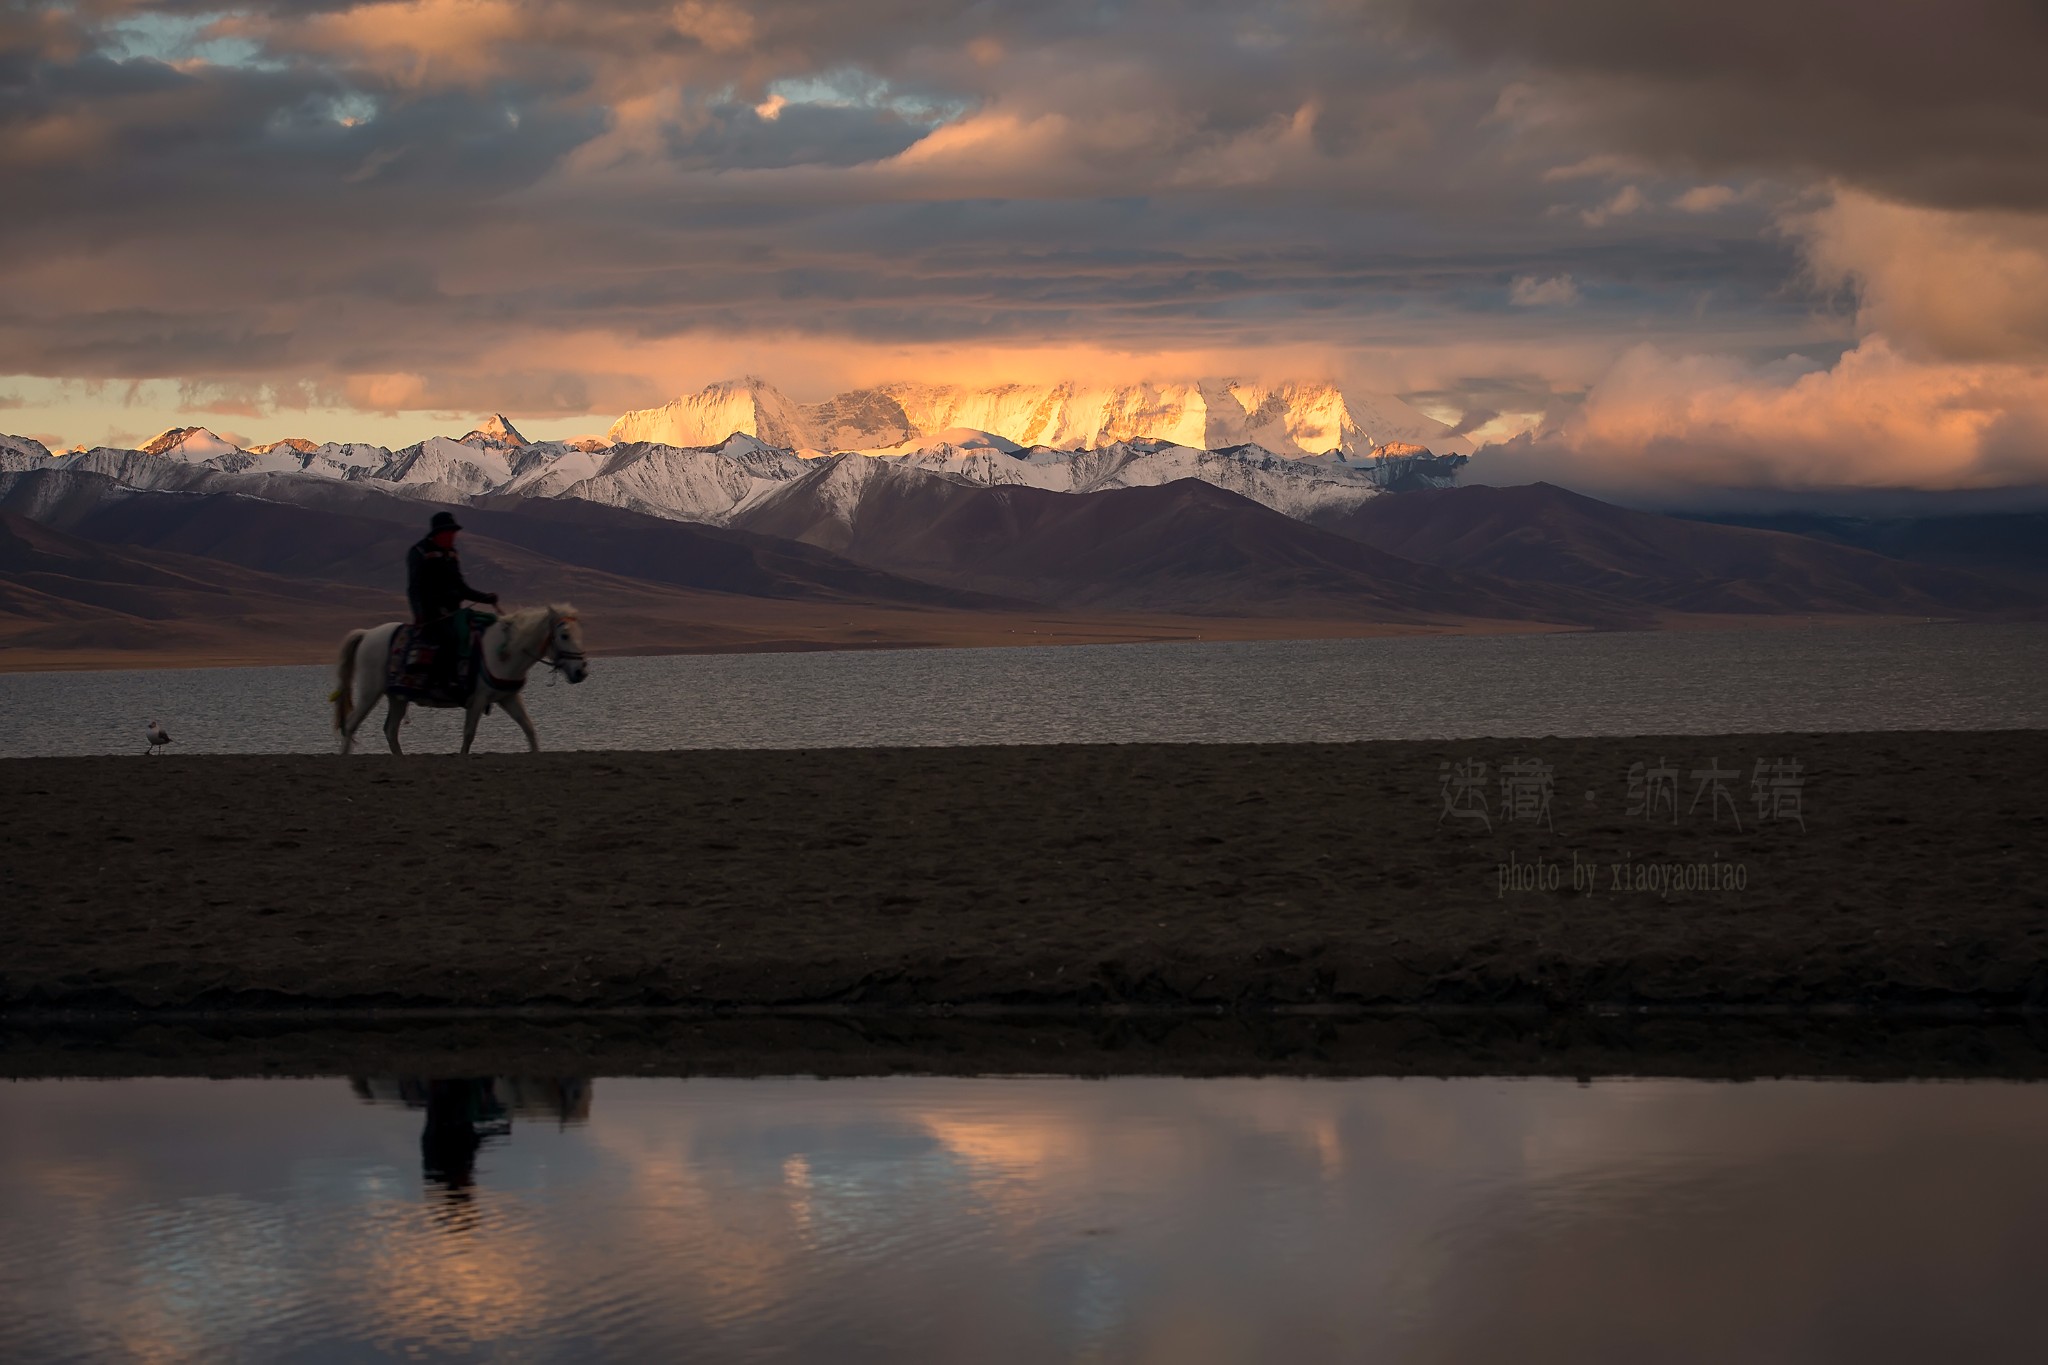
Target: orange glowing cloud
(1941,282)
(1876,419)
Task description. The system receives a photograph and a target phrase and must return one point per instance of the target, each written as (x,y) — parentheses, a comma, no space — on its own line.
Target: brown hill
(516,545)
(67,592)
(1540,533)
(2009,546)
(714,559)
(1185,547)
(212,575)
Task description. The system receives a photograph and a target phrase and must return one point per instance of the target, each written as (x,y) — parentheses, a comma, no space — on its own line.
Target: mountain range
(191,542)
(716,480)
(1540,533)
(1291,418)
(1180,546)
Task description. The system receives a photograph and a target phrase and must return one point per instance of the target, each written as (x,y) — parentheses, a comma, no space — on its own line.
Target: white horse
(513,644)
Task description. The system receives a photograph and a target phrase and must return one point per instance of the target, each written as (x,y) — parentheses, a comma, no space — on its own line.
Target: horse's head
(565,644)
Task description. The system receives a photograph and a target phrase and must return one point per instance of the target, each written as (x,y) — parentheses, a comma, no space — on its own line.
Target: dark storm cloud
(425,197)
(1935,103)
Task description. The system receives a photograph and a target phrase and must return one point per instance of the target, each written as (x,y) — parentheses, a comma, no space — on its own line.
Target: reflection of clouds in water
(151,1227)
(1098,1200)
(1773,1220)
(1137,1219)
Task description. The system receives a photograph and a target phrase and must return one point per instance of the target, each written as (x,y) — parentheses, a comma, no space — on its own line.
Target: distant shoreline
(944,631)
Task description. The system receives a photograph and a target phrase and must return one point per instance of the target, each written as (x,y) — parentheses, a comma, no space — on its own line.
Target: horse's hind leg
(356,719)
(393,718)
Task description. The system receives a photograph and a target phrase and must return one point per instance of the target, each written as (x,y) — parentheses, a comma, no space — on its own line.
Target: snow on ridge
(749,406)
(956,440)
(22,453)
(1295,487)
(1295,418)
(1294,447)
(717,483)
(494,431)
(194,445)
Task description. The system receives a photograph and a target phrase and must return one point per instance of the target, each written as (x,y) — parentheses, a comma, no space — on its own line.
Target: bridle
(552,654)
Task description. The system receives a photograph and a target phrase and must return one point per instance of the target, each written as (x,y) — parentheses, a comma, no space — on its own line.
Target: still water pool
(1935,677)
(993,1220)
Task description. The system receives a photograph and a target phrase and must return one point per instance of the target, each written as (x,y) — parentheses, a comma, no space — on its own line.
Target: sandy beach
(1197,879)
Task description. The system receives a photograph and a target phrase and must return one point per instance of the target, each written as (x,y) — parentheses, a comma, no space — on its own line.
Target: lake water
(1021,1219)
(1895,677)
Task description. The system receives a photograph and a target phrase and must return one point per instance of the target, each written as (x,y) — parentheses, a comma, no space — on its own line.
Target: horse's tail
(343,695)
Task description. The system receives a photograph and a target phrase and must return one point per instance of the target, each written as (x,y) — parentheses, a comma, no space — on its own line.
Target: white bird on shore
(158,737)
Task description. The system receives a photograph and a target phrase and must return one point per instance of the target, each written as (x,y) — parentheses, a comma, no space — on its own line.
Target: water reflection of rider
(465,1113)
(457,1111)
(435,587)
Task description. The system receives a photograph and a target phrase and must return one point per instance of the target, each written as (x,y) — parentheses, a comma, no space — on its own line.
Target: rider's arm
(470,594)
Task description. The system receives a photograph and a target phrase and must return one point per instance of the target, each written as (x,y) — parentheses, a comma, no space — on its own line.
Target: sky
(1638,244)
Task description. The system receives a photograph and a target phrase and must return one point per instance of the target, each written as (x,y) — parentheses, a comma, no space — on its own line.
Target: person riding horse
(436,588)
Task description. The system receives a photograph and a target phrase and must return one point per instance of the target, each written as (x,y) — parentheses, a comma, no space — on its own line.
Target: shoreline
(1422,1043)
(1088,882)
(967,632)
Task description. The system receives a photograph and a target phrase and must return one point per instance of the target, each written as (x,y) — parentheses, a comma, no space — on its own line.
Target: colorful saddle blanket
(413,653)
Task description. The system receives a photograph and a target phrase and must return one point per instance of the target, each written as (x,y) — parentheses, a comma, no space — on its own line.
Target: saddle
(413,654)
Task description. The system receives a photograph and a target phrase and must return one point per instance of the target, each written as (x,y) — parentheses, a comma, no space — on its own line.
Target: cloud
(399,187)
(1677,427)
(1899,147)
(1952,285)
(1625,201)
(564,207)
(1706,199)
(1932,104)
(1945,388)
(386,393)
(1556,292)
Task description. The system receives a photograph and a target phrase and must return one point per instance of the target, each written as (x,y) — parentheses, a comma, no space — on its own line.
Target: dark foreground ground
(1144,878)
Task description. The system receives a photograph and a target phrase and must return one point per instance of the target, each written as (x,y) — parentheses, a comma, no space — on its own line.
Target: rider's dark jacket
(434,583)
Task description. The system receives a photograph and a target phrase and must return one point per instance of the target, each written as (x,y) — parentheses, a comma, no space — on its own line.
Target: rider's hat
(444,521)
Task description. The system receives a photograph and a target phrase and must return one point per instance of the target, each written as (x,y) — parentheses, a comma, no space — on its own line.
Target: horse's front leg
(514,707)
(393,718)
(477,701)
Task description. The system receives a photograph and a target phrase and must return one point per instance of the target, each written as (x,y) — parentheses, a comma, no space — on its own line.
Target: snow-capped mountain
(22,452)
(715,484)
(1290,419)
(192,444)
(1096,443)
(708,484)
(748,407)
(494,431)
(701,484)
(1296,487)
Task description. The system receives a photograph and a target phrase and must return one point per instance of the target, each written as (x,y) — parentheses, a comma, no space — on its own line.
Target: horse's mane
(528,624)
(527,616)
